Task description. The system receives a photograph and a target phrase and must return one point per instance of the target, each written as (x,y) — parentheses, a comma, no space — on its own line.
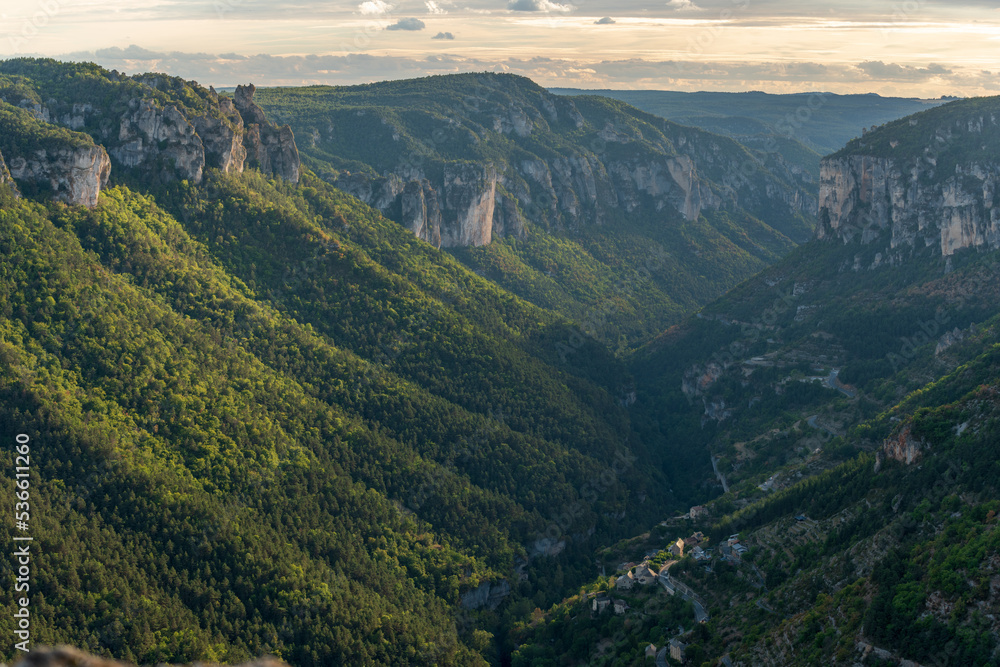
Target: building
(651,651)
(677,548)
(699,553)
(621,607)
(698,512)
(677,650)
(601,603)
(644,575)
(626,581)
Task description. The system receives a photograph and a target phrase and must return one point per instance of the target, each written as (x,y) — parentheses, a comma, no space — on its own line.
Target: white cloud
(607,20)
(537,6)
(407,24)
(372,7)
(681,5)
(434,8)
(443,35)
(877,69)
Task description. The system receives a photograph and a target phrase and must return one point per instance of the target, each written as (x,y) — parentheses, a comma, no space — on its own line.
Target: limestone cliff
(901,190)
(471,204)
(465,207)
(230,136)
(74,175)
(871,199)
(499,153)
(164,128)
(269,148)
(162,139)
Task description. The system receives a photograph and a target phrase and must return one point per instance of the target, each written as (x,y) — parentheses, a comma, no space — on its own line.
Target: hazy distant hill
(799,127)
(822,121)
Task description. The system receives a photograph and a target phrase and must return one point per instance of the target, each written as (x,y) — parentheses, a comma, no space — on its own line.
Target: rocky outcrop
(464,208)
(67,656)
(469,201)
(898,205)
(232,137)
(487,594)
(270,149)
(903,446)
(471,204)
(421,211)
(170,141)
(72,174)
(222,138)
(162,139)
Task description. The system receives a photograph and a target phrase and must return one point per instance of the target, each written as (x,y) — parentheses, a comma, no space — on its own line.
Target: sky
(911,48)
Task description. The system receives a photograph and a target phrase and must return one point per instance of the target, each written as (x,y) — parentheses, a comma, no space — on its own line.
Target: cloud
(607,20)
(229,69)
(443,35)
(537,6)
(407,24)
(876,69)
(681,5)
(372,7)
(434,8)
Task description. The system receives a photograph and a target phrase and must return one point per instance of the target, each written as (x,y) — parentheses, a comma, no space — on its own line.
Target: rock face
(461,203)
(903,447)
(161,138)
(74,175)
(487,594)
(471,204)
(67,656)
(231,137)
(270,149)
(898,205)
(465,207)
(223,141)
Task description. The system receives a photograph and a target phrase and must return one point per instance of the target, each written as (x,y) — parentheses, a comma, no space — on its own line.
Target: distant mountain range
(822,121)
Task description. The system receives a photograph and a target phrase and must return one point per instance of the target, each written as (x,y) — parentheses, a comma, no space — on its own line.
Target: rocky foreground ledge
(67,656)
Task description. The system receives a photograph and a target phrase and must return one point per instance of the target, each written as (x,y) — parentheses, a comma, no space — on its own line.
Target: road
(700,614)
(760,603)
(815,424)
(722,478)
(661,657)
(832,383)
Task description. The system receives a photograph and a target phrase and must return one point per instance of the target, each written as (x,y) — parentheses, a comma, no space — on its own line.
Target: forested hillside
(266,419)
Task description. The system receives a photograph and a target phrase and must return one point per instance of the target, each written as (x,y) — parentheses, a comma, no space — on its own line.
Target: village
(655,571)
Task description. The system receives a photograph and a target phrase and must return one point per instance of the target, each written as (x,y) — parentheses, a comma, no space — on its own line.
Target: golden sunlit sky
(912,48)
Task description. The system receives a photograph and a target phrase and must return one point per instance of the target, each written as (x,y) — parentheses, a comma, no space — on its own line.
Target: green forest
(266,419)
